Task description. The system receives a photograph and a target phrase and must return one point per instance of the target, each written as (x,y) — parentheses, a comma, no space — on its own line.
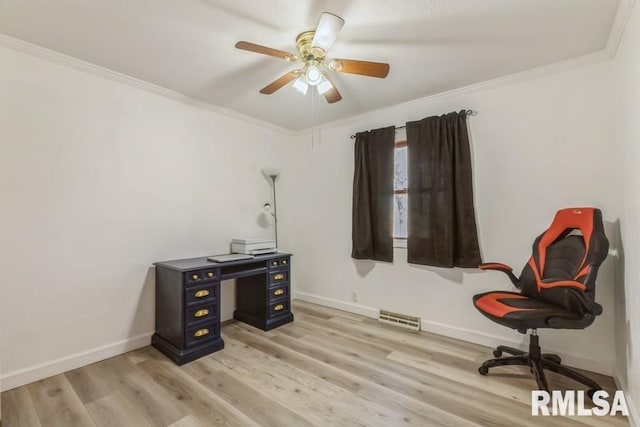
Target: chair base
(537,362)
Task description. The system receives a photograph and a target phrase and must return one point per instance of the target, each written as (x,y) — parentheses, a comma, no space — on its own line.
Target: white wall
(98,180)
(538,145)
(626,136)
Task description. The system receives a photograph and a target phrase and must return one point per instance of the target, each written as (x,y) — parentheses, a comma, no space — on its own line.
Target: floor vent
(401,320)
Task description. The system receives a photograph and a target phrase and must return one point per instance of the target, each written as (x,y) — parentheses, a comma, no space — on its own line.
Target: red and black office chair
(557,290)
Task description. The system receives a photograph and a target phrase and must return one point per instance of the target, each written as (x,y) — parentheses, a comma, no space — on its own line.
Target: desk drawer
(279,262)
(199,314)
(278,308)
(193,336)
(200,276)
(279,277)
(200,294)
(278,292)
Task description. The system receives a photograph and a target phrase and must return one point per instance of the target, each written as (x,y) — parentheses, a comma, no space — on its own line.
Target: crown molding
(31,49)
(625,7)
(530,74)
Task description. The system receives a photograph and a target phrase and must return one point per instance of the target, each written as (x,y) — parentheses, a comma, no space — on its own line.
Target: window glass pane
(400,168)
(400,215)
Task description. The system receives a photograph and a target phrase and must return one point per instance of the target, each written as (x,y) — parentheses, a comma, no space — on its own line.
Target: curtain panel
(372,215)
(441,214)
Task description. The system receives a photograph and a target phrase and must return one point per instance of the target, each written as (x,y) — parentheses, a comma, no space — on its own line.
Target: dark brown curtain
(441,216)
(372,221)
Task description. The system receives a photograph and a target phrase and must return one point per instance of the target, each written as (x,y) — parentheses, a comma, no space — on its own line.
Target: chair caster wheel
(497,353)
(483,371)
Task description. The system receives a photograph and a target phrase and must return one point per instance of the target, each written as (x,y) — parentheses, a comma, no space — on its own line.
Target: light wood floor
(328,368)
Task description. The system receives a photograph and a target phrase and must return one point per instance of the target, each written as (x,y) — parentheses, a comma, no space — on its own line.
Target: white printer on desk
(253,246)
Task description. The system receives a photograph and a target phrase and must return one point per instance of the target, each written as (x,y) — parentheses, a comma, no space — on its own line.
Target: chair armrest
(562,284)
(503,268)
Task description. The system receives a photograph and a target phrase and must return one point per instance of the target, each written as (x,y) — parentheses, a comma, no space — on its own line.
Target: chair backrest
(564,264)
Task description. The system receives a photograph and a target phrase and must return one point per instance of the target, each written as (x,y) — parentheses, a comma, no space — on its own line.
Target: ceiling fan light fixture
(315,68)
(327,30)
(334,65)
(300,85)
(324,86)
(313,75)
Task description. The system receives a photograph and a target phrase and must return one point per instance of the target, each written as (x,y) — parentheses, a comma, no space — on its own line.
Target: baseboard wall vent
(400,320)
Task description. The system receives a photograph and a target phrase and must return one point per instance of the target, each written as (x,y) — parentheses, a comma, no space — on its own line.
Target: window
(400,189)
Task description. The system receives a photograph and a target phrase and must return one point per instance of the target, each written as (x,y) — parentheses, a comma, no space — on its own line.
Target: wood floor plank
(293,358)
(198,369)
(57,403)
(196,399)
(442,362)
(88,383)
(440,374)
(327,368)
(474,405)
(296,388)
(425,344)
(260,407)
(515,386)
(153,401)
(115,411)
(420,412)
(322,311)
(18,409)
(188,421)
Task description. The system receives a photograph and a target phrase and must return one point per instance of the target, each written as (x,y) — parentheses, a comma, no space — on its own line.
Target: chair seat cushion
(517,311)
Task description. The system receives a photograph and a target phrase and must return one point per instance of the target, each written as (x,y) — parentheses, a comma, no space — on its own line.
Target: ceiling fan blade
(282,81)
(252,47)
(327,30)
(332,95)
(364,68)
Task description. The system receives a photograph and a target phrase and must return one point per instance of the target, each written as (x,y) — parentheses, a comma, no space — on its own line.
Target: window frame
(399,242)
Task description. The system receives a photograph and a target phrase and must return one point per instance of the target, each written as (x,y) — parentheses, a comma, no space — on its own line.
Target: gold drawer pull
(201,313)
(284,262)
(279,276)
(201,333)
(210,274)
(202,294)
(195,277)
(274,262)
(278,307)
(278,292)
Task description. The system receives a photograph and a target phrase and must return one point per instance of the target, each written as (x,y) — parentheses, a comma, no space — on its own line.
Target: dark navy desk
(188,301)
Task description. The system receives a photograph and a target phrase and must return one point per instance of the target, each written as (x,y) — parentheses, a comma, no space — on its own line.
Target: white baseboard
(28,375)
(351,307)
(475,337)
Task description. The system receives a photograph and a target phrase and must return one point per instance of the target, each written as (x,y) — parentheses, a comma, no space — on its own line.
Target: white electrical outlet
(354,296)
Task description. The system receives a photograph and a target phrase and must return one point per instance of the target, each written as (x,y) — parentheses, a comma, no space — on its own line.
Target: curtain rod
(468,112)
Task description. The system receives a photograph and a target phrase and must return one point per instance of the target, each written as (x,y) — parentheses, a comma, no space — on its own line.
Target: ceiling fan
(312,53)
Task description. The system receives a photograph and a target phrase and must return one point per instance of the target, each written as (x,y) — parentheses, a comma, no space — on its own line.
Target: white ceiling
(432,45)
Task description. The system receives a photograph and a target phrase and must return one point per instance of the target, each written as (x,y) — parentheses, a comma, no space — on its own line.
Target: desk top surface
(189,264)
